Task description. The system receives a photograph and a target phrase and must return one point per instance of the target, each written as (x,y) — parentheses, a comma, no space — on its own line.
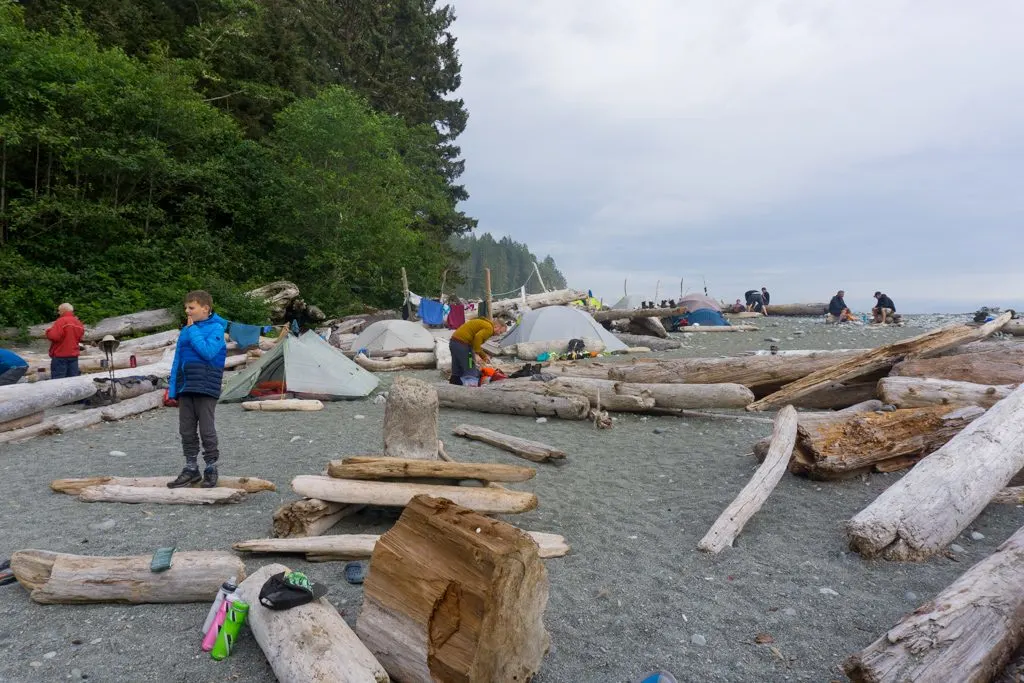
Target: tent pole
(405,287)
(539,279)
(487,276)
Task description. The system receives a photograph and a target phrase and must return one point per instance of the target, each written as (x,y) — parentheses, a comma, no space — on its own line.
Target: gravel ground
(633,595)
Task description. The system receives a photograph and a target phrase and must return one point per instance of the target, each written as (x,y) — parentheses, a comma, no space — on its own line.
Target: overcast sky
(803,145)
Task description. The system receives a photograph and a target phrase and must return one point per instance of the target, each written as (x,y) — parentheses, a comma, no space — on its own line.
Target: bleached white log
(398,494)
(133,406)
(285,405)
(115,493)
(524,448)
(917,392)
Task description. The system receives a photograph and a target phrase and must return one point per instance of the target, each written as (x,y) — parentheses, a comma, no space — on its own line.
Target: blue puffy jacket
(198,366)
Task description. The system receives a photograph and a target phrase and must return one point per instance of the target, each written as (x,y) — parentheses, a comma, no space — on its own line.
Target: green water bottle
(237,611)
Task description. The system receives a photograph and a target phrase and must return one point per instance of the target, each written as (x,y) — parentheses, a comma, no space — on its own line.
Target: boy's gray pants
(197,411)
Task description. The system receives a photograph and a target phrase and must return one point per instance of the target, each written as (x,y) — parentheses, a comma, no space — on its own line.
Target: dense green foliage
(511,265)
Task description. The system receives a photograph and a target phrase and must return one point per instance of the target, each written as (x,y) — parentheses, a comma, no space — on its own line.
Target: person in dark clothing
(12,367)
(884,308)
(766,296)
(755,300)
(838,311)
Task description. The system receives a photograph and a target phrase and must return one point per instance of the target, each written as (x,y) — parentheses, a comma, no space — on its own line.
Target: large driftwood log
(838,396)
(71,389)
(649,327)
(309,517)
(56,578)
(800,310)
(1014,327)
(115,493)
(160,340)
(124,388)
(525,448)
(512,402)
(559,297)
(672,396)
(76,486)
(80,419)
(22,422)
(410,420)
(624,403)
(925,510)
(443,356)
(417,360)
(277,295)
(652,343)
(718,328)
(454,595)
(636,313)
(132,323)
(967,633)
(924,345)
(731,522)
(361,467)
(916,392)
(133,406)
(990,367)
(307,643)
(26,433)
(284,405)
(39,397)
(398,494)
(761,446)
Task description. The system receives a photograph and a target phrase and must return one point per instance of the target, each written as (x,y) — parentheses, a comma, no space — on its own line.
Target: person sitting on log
(466,345)
(884,309)
(755,301)
(737,307)
(12,367)
(838,311)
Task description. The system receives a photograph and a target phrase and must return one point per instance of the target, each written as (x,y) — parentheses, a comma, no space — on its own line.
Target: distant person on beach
(838,311)
(755,300)
(64,335)
(466,345)
(884,309)
(196,374)
(12,367)
(737,307)
(767,298)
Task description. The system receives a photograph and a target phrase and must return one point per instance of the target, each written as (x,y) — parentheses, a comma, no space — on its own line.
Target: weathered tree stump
(410,420)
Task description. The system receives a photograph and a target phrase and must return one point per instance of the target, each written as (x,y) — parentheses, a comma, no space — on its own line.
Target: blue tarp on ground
(702,316)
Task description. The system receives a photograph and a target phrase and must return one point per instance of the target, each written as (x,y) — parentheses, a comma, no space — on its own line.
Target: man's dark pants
(64,367)
(462,360)
(196,411)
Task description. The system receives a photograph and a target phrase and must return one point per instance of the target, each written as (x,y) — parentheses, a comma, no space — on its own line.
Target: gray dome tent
(394,335)
(560,323)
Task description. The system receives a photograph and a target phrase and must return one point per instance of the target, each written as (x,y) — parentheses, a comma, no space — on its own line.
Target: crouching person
(466,345)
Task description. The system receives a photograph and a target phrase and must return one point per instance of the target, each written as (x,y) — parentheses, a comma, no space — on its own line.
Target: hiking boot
(209,478)
(186,478)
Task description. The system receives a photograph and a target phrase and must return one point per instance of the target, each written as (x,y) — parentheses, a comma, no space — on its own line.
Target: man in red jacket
(64,336)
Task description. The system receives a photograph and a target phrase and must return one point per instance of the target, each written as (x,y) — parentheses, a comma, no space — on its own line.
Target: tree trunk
(992,367)
(423,360)
(731,522)
(636,313)
(160,340)
(512,402)
(455,596)
(133,323)
(922,346)
(719,328)
(652,343)
(670,396)
(1015,327)
(559,297)
(309,517)
(125,388)
(649,327)
(531,450)
(799,310)
(133,406)
(289,404)
(76,486)
(925,510)
(307,643)
(38,397)
(26,433)
(114,493)
(398,494)
(359,467)
(967,633)
(338,547)
(914,392)
(58,578)
(410,420)
(22,422)
(761,446)
(77,420)
(620,403)
(277,295)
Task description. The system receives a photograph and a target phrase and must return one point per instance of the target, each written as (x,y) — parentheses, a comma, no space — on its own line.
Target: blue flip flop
(658,677)
(355,572)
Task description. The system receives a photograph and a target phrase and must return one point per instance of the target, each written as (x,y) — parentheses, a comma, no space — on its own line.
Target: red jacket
(64,336)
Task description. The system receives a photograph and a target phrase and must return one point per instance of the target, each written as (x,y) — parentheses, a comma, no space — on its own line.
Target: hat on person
(290,589)
(878,294)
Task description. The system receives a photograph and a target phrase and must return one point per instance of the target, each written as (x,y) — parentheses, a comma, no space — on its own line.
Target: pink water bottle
(211,636)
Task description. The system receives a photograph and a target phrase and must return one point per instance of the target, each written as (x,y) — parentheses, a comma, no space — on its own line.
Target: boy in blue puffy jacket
(195,381)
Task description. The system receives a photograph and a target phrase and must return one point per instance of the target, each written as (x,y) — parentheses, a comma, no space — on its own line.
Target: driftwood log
(624,403)
(26,433)
(160,340)
(307,643)
(649,327)
(41,396)
(512,402)
(417,360)
(654,344)
(68,579)
(453,595)
(610,314)
(277,295)
(115,493)
(718,328)
(443,356)
(731,522)
(925,510)
(398,494)
(80,419)
(558,297)
(534,451)
(288,404)
(22,422)
(410,420)
(673,396)
(800,310)
(967,633)
(925,345)
(133,406)
(761,446)
(362,467)
(916,392)
(1003,366)
(309,517)
(75,486)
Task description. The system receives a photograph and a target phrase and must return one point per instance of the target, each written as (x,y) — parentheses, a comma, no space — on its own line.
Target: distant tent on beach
(700,310)
(553,323)
(302,365)
(695,302)
(630,302)
(394,335)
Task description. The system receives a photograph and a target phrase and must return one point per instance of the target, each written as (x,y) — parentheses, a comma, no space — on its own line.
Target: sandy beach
(633,595)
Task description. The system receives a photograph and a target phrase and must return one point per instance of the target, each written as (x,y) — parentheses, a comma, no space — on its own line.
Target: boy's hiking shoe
(209,478)
(186,478)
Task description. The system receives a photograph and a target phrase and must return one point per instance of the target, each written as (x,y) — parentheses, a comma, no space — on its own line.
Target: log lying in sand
(916,392)
(811,310)
(1014,327)
(79,419)
(362,467)
(1011,495)
(672,396)
(133,406)
(925,510)
(443,356)
(288,404)
(967,633)
(922,346)
(398,494)
(719,328)
(160,340)
(75,486)
(838,396)
(58,578)
(419,360)
(22,422)
(649,327)
(624,403)
(26,433)
(309,517)
(41,396)
(360,546)
(410,420)
(512,402)
(626,313)
(115,493)
(559,297)
(455,596)
(652,343)
(310,642)
(730,523)
(1002,366)
(761,446)
(534,451)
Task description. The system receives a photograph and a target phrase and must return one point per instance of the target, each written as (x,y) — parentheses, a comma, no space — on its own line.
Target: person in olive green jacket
(466,345)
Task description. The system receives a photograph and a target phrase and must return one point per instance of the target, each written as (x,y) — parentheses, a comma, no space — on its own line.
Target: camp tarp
(559,323)
(630,302)
(694,302)
(394,335)
(306,365)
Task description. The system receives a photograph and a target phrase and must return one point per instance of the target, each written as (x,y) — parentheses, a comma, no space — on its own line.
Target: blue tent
(702,316)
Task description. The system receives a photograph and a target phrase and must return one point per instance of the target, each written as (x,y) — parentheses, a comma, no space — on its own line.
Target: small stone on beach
(118,454)
(827,591)
(976,536)
(698,639)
